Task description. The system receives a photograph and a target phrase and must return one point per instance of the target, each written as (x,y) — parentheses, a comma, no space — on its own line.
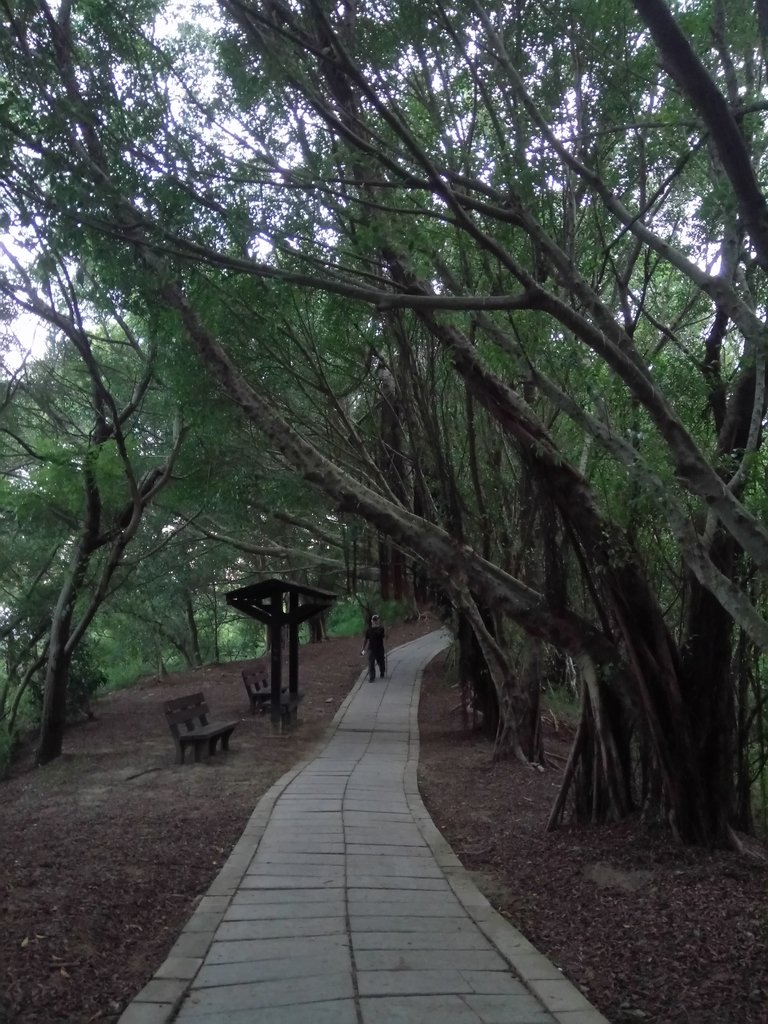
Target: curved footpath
(343,904)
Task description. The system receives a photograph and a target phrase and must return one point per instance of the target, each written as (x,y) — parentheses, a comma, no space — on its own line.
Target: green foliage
(6,749)
(86,677)
(120,673)
(563,704)
(243,159)
(345,618)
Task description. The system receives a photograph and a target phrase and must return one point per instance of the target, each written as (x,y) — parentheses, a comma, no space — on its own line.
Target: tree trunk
(597,774)
(54,714)
(529,731)
(385,590)
(399,579)
(743,818)
(317,631)
(195,657)
(710,700)
(474,678)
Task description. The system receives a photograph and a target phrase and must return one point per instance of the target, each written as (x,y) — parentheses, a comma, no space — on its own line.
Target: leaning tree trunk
(54,714)
(655,669)
(510,710)
(710,698)
(477,688)
(532,558)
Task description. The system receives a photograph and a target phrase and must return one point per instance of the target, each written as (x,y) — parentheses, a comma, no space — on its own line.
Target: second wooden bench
(259,692)
(258,689)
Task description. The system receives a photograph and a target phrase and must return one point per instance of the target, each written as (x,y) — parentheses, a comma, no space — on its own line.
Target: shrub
(6,749)
(85,678)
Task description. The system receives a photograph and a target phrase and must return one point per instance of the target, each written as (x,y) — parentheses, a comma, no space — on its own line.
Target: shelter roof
(258,600)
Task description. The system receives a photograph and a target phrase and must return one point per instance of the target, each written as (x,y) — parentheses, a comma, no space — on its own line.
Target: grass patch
(563,704)
(346,617)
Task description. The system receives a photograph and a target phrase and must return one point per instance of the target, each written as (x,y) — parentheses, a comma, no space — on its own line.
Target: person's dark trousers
(375,658)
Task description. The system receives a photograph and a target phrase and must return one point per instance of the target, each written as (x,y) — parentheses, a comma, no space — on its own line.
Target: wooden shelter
(279,603)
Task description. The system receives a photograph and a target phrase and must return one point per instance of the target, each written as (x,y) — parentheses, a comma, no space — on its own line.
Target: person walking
(374,645)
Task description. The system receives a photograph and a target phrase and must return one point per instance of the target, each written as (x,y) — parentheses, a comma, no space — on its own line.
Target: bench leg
(179,753)
(225,740)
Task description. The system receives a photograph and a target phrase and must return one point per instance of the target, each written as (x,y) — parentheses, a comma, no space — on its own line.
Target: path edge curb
(563,999)
(159,1001)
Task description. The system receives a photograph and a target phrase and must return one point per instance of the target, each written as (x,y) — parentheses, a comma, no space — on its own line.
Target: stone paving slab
(400,867)
(440,981)
(332,1011)
(236,931)
(282,911)
(443,906)
(420,940)
(262,880)
(332,961)
(309,804)
(362,805)
(447,1009)
(320,832)
(285,896)
(272,949)
(409,836)
(343,904)
(376,819)
(256,995)
(313,857)
(290,872)
(429,960)
(368,881)
(501,1010)
(360,923)
(278,847)
(389,850)
(281,835)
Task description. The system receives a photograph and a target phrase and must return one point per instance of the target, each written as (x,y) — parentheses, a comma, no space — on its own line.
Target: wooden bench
(188,721)
(258,689)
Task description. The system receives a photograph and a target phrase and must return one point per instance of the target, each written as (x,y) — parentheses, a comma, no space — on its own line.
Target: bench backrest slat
(189,711)
(255,679)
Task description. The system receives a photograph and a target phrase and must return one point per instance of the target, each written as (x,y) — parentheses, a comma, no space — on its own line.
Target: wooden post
(275,631)
(293,644)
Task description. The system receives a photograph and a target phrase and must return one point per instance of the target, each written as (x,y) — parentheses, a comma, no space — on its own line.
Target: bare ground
(106,851)
(651,932)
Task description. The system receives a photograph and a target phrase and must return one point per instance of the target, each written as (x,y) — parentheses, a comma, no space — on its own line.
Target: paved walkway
(342,903)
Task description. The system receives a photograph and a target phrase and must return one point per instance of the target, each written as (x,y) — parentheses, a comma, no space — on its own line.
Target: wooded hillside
(464,304)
